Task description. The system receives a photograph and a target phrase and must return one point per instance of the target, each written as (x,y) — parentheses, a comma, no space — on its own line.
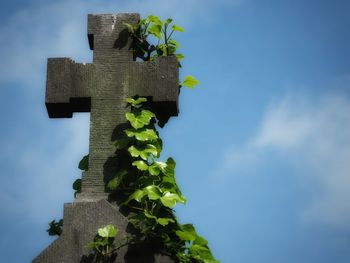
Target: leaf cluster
(152,37)
(55,228)
(103,244)
(161,33)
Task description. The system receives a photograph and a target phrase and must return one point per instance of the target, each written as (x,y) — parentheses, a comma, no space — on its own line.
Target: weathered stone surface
(101,88)
(81,220)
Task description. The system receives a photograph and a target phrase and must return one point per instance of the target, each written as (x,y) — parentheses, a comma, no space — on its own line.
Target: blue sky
(262,145)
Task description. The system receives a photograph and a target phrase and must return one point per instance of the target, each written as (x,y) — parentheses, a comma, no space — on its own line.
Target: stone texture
(101,88)
(81,221)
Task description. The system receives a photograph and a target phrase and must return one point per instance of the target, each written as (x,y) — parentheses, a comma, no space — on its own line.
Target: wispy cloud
(310,134)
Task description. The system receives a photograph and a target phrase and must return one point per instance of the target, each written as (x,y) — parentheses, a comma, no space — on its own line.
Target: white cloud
(311,134)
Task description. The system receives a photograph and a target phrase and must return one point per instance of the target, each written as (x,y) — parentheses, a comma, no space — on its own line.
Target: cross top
(101,88)
(108,37)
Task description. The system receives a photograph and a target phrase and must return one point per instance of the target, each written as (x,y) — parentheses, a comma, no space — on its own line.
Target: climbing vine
(143,184)
(148,188)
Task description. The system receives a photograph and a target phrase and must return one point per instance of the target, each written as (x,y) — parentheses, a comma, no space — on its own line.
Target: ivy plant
(148,188)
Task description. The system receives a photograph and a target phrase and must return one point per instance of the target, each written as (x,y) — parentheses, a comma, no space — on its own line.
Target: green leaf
(142,135)
(155,20)
(165,221)
(177,28)
(137,195)
(108,231)
(202,253)
(141,165)
(155,30)
(159,145)
(115,182)
(187,233)
(143,21)
(136,102)
(190,82)
(200,241)
(162,221)
(153,192)
(174,43)
(84,163)
(168,21)
(170,199)
(180,57)
(143,153)
(169,168)
(140,120)
(156,168)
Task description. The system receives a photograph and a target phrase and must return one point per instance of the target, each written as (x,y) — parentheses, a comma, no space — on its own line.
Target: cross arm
(67,87)
(159,81)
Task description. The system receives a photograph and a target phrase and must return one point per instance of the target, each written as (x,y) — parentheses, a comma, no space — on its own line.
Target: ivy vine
(148,188)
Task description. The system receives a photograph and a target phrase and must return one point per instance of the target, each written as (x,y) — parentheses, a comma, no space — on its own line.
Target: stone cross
(101,88)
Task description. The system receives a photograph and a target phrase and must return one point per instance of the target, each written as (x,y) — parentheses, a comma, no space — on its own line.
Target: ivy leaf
(162,220)
(156,168)
(174,43)
(145,153)
(84,163)
(155,20)
(136,102)
(200,241)
(115,182)
(108,231)
(139,121)
(180,57)
(169,168)
(190,82)
(202,253)
(187,233)
(142,135)
(177,28)
(159,145)
(168,21)
(141,165)
(153,192)
(170,199)
(165,221)
(155,30)
(137,195)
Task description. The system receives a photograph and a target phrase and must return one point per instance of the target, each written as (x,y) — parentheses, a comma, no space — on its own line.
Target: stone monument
(101,88)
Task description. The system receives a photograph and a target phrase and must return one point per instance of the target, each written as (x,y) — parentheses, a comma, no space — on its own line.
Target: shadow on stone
(122,39)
